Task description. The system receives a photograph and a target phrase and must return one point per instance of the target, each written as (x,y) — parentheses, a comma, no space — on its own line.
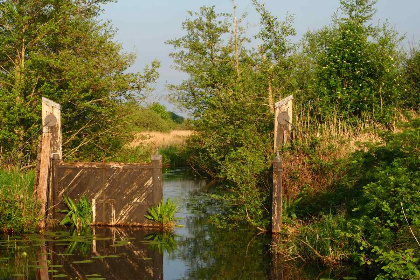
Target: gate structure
(120,193)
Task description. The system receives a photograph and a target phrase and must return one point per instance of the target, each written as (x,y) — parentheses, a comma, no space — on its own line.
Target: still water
(197,250)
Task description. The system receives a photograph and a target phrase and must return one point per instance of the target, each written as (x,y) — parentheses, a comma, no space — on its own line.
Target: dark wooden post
(277,205)
(157,178)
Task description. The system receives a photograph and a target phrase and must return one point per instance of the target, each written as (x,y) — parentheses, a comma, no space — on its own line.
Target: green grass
(18,207)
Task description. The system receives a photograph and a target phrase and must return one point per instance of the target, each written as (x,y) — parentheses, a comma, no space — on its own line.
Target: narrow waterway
(197,250)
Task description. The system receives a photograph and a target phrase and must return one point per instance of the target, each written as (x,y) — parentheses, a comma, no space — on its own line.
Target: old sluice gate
(120,193)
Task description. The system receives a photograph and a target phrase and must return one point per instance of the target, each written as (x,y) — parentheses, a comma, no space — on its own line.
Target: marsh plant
(163,214)
(78,215)
(19,210)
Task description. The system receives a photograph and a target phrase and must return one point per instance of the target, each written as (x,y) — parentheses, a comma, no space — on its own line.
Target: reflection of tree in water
(214,253)
(224,254)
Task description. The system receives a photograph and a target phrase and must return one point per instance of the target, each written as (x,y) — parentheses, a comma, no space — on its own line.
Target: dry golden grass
(161,139)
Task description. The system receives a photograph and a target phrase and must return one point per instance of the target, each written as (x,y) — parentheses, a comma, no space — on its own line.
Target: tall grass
(18,208)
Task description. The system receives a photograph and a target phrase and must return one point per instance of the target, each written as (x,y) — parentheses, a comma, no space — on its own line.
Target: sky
(144,26)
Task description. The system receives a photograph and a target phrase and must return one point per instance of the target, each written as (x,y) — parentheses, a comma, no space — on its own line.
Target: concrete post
(157,178)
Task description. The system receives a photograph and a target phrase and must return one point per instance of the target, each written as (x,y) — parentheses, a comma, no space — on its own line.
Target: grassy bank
(18,208)
(360,207)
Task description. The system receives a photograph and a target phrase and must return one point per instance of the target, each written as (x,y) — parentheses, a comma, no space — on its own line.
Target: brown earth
(161,139)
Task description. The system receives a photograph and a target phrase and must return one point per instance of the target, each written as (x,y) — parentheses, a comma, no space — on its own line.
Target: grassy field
(161,139)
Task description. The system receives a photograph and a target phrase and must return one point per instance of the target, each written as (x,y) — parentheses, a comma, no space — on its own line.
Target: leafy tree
(357,68)
(411,93)
(203,55)
(60,50)
(161,110)
(228,92)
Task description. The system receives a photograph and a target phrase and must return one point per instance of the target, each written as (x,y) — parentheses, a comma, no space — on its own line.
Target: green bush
(19,211)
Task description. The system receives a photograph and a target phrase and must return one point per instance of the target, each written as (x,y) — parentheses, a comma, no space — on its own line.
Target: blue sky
(144,26)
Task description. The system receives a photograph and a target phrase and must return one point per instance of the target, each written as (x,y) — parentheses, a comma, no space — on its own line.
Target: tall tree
(60,50)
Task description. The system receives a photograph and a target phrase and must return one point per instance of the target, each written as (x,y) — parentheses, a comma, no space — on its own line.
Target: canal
(196,250)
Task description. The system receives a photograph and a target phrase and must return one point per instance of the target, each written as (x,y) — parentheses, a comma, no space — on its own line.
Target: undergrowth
(19,211)
(163,214)
(368,213)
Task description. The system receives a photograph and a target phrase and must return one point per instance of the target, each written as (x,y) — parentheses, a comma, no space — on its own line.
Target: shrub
(374,210)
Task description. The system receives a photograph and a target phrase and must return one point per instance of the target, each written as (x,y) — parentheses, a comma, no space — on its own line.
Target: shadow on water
(196,251)
(108,253)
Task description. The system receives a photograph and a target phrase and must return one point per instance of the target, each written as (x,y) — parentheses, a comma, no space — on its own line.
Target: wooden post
(157,178)
(277,205)
(51,143)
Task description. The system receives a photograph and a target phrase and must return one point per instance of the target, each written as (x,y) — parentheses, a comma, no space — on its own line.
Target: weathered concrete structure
(120,193)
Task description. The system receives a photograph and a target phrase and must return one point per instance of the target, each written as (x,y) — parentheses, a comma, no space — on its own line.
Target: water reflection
(109,253)
(207,252)
(204,251)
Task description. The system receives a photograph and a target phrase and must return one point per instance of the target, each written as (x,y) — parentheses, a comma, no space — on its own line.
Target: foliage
(19,211)
(397,265)
(151,118)
(175,156)
(79,215)
(356,69)
(223,93)
(344,77)
(412,73)
(163,214)
(60,50)
(139,154)
(374,209)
